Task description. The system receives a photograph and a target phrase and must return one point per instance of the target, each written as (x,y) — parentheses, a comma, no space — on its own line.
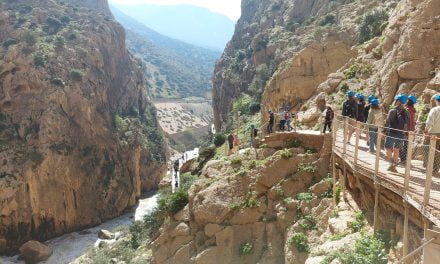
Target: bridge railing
(417,180)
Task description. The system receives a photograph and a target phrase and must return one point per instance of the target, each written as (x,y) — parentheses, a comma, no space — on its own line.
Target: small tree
(219,140)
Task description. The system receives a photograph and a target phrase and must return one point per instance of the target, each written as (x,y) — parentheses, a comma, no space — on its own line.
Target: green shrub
(285,154)
(173,203)
(300,242)
(344,87)
(328,19)
(307,167)
(338,193)
(40,59)
(252,165)
(76,75)
(372,25)
(30,38)
(246,105)
(358,69)
(358,223)
(65,19)
(246,249)
(308,223)
(59,41)
(250,201)
(295,143)
(219,140)
(9,42)
(236,161)
(305,196)
(119,122)
(368,250)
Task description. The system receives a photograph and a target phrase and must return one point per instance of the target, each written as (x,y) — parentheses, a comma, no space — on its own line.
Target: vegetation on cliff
(76,124)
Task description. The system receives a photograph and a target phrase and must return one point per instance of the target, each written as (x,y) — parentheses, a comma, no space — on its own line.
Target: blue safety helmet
(437,97)
(360,96)
(350,93)
(402,98)
(371,98)
(375,102)
(413,99)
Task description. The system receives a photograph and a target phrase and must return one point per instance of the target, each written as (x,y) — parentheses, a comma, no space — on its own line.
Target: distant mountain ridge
(195,25)
(174,69)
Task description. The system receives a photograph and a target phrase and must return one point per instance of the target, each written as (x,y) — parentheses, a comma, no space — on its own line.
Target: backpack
(400,120)
(349,108)
(332,114)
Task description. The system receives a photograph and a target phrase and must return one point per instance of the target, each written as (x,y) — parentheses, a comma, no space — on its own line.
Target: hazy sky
(230,8)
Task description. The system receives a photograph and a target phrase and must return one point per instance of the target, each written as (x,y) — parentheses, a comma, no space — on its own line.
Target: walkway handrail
(416,181)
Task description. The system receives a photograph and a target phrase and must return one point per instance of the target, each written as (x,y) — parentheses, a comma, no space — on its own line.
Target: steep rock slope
(404,59)
(241,212)
(79,139)
(296,44)
(174,69)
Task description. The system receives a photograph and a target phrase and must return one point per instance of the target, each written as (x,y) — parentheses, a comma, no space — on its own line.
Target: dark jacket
(398,121)
(350,109)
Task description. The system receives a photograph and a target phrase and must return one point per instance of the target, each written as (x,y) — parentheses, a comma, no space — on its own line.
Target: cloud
(229,8)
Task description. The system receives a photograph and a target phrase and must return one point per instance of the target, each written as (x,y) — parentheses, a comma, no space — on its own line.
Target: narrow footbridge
(416,182)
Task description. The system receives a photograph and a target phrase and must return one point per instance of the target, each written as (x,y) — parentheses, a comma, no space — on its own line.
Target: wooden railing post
(376,173)
(428,182)
(410,145)
(334,133)
(356,146)
(344,151)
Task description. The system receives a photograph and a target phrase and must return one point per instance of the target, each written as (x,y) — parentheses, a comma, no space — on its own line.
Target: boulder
(417,69)
(212,229)
(105,234)
(435,82)
(183,215)
(181,230)
(34,251)
(320,188)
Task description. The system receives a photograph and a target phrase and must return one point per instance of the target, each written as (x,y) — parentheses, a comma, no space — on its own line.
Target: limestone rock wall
(280,47)
(232,207)
(79,139)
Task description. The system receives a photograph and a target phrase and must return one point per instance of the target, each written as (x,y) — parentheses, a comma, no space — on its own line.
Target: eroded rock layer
(79,138)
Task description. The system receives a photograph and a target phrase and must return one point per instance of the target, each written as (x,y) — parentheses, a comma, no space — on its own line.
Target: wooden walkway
(366,163)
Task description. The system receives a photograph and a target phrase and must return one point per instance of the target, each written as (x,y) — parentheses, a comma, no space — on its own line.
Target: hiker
(254,134)
(231,142)
(374,121)
(176,172)
(271,122)
(366,113)
(350,110)
(282,121)
(396,126)
(412,100)
(360,108)
(288,117)
(329,116)
(433,129)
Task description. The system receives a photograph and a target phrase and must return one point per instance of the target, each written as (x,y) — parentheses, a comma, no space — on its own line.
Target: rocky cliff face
(79,138)
(283,50)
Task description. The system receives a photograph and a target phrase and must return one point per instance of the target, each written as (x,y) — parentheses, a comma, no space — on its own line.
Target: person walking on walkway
(328,120)
(366,113)
(271,122)
(288,117)
(176,172)
(412,100)
(350,110)
(282,120)
(396,126)
(231,142)
(254,135)
(374,121)
(433,129)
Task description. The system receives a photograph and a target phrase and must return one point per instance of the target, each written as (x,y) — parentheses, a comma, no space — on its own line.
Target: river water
(70,247)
